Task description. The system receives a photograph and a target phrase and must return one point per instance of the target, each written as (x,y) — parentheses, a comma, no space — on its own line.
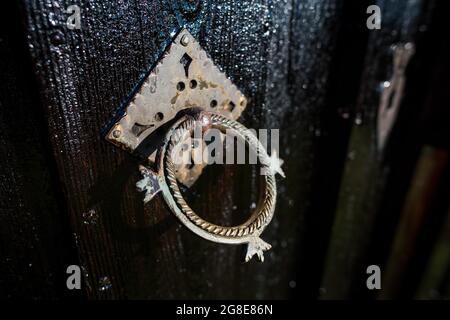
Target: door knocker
(184,90)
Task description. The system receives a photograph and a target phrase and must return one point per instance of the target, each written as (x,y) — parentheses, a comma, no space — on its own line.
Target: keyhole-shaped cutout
(186,62)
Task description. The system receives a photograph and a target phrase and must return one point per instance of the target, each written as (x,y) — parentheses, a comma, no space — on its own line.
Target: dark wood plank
(35,240)
(278,53)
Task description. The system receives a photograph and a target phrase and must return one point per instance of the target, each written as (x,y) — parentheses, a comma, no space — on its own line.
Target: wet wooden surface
(302,64)
(35,238)
(270,50)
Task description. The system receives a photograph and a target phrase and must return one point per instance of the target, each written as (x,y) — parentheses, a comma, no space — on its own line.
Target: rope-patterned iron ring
(165,180)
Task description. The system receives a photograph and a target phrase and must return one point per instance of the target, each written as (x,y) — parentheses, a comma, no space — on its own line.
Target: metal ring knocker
(246,233)
(185,77)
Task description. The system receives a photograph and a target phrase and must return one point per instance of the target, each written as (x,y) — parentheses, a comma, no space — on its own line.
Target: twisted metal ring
(249,231)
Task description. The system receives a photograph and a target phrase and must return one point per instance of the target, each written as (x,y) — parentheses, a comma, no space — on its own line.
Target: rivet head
(57,38)
(116,133)
(205,121)
(184,40)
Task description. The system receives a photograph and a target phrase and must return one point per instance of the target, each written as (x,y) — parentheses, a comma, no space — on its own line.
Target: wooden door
(309,68)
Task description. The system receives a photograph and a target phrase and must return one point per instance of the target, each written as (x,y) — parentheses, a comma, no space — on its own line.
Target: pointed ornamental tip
(257,246)
(273,165)
(149,183)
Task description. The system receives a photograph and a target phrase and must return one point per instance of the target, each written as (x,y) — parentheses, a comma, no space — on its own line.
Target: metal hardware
(164,179)
(186,78)
(392,92)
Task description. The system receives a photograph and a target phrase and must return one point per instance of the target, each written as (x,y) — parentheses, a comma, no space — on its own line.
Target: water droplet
(344,114)
(317,132)
(57,38)
(104,284)
(90,217)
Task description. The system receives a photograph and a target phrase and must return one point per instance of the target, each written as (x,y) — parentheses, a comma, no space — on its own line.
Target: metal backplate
(184,77)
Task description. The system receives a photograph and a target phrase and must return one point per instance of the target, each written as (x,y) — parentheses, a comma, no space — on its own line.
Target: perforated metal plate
(184,77)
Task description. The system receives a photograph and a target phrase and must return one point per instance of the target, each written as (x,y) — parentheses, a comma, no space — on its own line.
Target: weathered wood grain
(309,68)
(35,246)
(277,52)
